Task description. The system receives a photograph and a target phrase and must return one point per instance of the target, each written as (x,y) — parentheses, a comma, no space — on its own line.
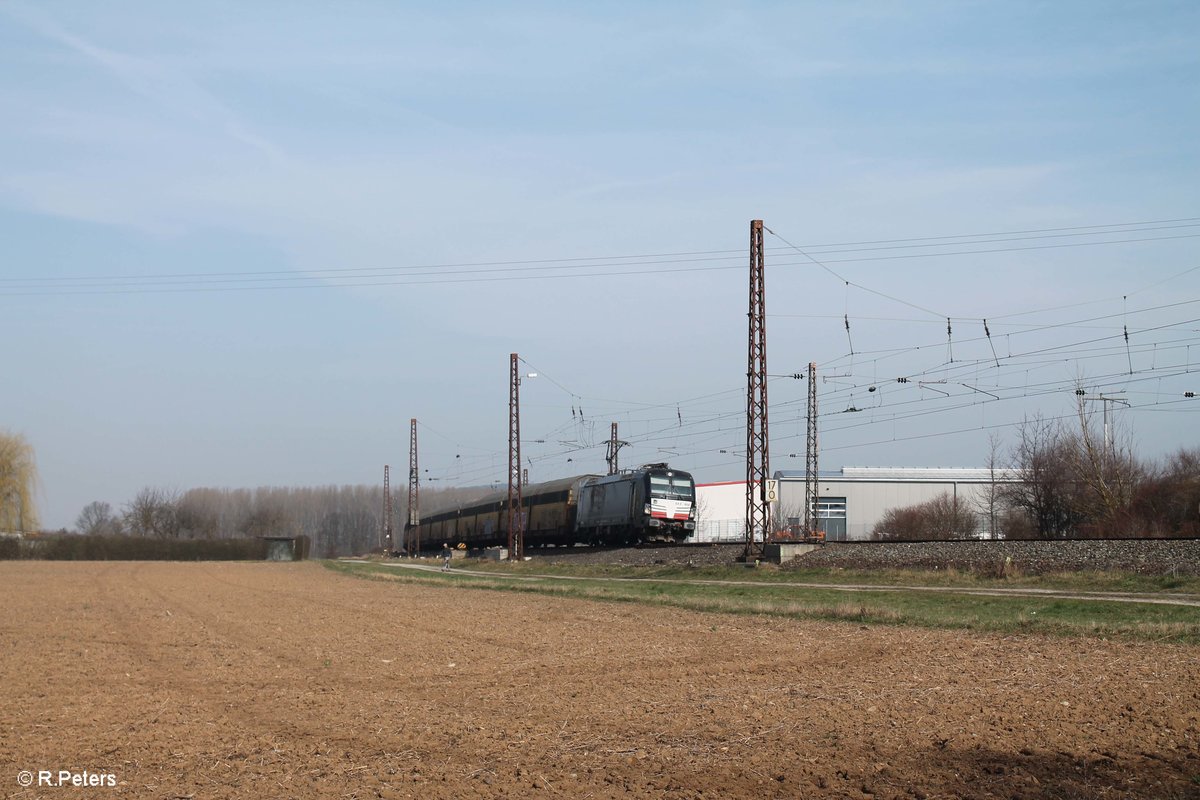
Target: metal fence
(720,531)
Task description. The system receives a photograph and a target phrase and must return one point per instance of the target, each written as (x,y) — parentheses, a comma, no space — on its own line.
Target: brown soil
(288,680)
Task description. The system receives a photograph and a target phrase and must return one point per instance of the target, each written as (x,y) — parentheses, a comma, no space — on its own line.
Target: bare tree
(701,514)
(18,484)
(1105,469)
(789,520)
(198,512)
(267,519)
(153,512)
(1044,492)
(1167,500)
(990,500)
(97,519)
(942,518)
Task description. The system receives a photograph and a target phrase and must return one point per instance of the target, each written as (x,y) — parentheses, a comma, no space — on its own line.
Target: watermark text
(66,777)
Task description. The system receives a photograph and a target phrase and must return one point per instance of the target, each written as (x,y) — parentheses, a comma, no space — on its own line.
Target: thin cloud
(168,90)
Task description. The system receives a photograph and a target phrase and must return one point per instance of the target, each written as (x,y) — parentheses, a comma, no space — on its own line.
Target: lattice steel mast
(614,445)
(516,520)
(811,487)
(758,460)
(387,512)
(414,513)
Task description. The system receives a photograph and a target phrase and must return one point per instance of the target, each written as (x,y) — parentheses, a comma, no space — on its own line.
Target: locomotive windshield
(672,487)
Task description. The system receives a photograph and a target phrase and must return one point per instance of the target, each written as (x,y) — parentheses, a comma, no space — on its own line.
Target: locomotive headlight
(646,510)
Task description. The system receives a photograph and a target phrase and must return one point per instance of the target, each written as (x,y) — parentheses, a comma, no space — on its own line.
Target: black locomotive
(653,503)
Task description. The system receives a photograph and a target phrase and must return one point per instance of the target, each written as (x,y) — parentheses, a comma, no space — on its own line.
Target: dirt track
(288,680)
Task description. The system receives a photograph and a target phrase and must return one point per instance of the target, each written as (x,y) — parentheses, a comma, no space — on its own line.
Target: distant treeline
(1073,483)
(339,520)
(67,547)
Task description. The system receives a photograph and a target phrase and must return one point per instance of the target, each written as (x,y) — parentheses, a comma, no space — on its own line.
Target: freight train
(653,503)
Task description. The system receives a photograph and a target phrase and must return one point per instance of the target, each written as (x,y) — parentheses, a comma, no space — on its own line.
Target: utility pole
(1110,444)
(614,445)
(1109,440)
(387,513)
(757,456)
(811,487)
(414,514)
(516,519)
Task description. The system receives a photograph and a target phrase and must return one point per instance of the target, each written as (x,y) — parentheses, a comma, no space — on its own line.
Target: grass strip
(886,605)
(1095,581)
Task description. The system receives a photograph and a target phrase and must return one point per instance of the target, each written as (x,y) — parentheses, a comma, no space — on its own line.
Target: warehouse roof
(902,474)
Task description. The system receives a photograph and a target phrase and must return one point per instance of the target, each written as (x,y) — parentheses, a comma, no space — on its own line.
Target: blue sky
(245,243)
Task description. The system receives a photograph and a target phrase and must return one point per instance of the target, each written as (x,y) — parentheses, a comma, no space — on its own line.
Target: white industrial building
(851,500)
(721,512)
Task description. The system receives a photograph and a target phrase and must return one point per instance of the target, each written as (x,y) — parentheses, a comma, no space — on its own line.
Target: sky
(245,244)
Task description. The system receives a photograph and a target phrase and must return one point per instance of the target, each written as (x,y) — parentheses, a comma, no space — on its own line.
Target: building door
(831,518)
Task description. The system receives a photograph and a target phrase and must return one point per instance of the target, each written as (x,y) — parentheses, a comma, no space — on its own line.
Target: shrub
(137,548)
(941,518)
(10,547)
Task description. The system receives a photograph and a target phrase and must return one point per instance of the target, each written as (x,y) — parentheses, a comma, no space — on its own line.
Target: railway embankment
(1179,557)
(1141,556)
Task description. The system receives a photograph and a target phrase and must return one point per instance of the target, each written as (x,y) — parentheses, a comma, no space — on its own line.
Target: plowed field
(289,680)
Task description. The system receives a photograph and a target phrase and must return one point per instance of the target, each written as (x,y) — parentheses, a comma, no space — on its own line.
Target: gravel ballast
(1141,556)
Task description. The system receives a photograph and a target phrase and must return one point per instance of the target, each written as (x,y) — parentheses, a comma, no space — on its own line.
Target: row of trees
(339,520)
(1062,481)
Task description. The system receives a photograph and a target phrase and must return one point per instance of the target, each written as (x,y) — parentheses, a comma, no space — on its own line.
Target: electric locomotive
(653,503)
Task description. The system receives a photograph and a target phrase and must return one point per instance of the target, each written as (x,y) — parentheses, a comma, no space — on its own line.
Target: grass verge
(885,604)
(1070,581)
